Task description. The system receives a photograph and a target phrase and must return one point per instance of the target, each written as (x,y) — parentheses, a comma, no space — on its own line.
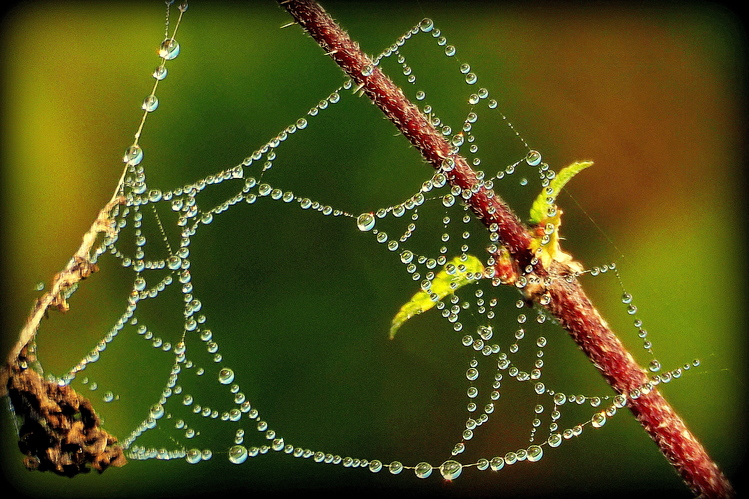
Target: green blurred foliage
(652,95)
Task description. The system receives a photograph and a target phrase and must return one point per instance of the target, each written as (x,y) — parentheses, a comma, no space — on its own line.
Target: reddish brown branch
(568,304)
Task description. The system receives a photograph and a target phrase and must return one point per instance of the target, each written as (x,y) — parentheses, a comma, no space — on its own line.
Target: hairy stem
(568,303)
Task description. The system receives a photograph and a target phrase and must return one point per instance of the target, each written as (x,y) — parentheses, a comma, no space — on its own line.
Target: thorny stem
(569,304)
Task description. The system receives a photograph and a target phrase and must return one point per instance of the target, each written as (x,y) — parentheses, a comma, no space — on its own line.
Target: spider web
(202,357)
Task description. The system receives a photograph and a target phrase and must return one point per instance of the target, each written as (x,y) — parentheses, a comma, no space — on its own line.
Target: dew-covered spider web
(227,305)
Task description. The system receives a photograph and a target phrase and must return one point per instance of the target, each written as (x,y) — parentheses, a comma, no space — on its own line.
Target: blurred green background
(654,95)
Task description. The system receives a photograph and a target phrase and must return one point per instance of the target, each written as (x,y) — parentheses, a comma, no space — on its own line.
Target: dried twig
(60,431)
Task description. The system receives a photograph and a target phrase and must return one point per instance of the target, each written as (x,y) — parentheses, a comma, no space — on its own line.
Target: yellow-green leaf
(545,200)
(548,219)
(458,272)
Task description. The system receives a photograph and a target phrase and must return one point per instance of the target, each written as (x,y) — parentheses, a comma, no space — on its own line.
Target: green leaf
(547,198)
(458,272)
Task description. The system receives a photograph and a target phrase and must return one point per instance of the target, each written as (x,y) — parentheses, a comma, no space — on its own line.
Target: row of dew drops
(183,200)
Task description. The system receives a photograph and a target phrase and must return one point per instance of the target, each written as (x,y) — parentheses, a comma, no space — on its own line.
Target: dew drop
(497,463)
(174,262)
(451,469)
(471,78)
(423,470)
(533,158)
(598,419)
(193,456)
(395,467)
(407,256)
(554,440)
(133,155)
(150,103)
(169,49)
(426,25)
(159,73)
(560,398)
(534,453)
(238,454)
(157,411)
(450,50)
(225,376)
(365,222)
(154,195)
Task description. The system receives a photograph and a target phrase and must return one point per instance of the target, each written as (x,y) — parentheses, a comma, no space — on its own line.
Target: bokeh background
(654,95)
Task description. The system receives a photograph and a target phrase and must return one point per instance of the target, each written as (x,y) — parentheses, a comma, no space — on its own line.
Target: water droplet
(150,103)
(159,73)
(426,25)
(365,222)
(497,463)
(157,411)
(450,51)
(238,454)
(471,78)
(560,398)
(654,366)
(423,470)
(554,440)
(367,70)
(598,419)
(133,155)
(534,453)
(533,158)
(193,456)
(225,376)
(375,465)
(174,262)
(395,467)
(169,49)
(451,469)
(407,256)
(154,195)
